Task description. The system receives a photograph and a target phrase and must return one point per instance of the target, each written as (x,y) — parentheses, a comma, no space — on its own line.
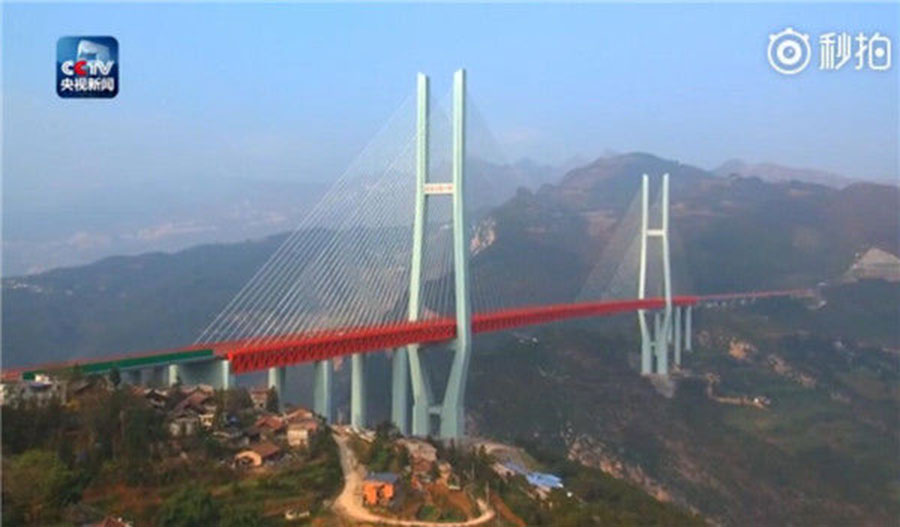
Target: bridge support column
(400,390)
(322,390)
(276,381)
(174,375)
(687,328)
(422,395)
(156,376)
(132,377)
(358,391)
(661,347)
(676,340)
(227,379)
(208,372)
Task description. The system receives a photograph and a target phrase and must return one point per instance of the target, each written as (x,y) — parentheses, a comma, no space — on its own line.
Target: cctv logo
(87,67)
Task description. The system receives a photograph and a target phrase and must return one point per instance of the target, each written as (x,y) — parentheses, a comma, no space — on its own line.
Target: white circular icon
(789,51)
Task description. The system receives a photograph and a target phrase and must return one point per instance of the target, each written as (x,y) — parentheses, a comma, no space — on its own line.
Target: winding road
(349,503)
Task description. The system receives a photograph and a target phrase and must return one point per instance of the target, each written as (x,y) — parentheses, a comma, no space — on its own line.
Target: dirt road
(349,503)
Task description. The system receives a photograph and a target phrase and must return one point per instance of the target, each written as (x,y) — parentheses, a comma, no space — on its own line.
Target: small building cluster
(39,390)
(260,435)
(266,438)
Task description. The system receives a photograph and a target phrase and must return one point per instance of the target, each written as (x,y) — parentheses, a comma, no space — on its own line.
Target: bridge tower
(407,363)
(671,326)
(655,343)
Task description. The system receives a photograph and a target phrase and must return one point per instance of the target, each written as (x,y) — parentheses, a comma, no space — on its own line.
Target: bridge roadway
(257,354)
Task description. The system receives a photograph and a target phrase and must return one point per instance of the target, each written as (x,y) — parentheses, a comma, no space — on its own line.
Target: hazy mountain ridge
(776,172)
(82,223)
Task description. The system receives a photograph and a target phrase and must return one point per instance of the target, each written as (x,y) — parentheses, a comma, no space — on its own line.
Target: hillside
(821,453)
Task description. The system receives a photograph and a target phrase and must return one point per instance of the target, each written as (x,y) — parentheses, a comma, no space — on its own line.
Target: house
(229,434)
(380,488)
(157,398)
(545,481)
(86,390)
(298,414)
(184,426)
(299,432)
(207,419)
(541,481)
(198,401)
(259,396)
(258,454)
(270,424)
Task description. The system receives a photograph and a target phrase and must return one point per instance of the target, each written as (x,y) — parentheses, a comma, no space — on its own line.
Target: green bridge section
(128,363)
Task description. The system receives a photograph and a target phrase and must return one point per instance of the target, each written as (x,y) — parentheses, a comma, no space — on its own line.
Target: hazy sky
(294,91)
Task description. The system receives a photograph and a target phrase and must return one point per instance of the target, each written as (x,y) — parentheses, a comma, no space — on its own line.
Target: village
(247,435)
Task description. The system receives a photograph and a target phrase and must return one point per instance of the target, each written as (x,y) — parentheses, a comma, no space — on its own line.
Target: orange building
(380,488)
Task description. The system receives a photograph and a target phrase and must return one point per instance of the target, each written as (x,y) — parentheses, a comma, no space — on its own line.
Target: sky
(295,91)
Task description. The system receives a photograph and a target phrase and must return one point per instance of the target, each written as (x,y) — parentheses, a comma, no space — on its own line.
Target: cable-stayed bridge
(382,263)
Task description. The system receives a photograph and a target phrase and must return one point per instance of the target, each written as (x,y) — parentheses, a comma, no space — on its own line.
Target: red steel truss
(251,355)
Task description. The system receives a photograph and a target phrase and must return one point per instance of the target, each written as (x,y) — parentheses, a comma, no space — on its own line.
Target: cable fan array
(347,264)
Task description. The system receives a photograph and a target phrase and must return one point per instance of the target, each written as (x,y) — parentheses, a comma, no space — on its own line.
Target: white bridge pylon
(407,364)
(667,324)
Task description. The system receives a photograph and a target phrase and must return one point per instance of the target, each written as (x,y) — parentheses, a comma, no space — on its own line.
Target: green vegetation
(272,403)
(589,496)
(189,507)
(36,487)
(383,454)
(108,451)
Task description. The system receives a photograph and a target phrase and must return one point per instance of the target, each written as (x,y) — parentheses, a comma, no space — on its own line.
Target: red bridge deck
(255,354)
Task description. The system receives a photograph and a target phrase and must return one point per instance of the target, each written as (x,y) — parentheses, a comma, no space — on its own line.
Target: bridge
(349,291)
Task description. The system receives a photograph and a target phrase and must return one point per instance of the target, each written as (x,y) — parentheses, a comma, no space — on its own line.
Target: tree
(38,485)
(242,516)
(142,429)
(272,403)
(236,400)
(189,507)
(115,377)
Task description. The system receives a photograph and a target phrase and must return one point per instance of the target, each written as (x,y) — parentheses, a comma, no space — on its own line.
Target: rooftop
(383,477)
